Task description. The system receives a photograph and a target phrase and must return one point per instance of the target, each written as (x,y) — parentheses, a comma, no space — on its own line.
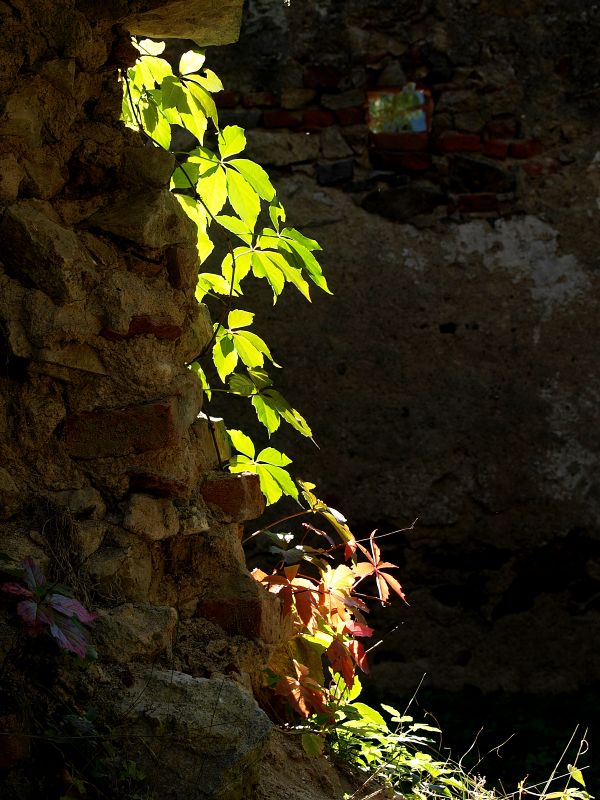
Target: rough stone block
(212,441)
(147,167)
(11,175)
(249,611)
(86,502)
(331,172)
(15,742)
(279,148)
(350,116)
(122,570)
(74,355)
(333,144)
(10,495)
(158,484)
(238,496)
(260,99)
(321,76)
(404,202)
(468,175)
(133,632)
(405,162)
(477,203)
(50,256)
(207,22)
(350,99)
(293,99)
(45,176)
(182,266)
(153,220)
(151,518)
(90,534)
(213,734)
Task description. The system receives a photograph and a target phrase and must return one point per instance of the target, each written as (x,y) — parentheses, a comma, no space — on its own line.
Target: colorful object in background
(399,110)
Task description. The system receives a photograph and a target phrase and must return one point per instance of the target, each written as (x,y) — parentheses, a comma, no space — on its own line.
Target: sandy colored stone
(150,517)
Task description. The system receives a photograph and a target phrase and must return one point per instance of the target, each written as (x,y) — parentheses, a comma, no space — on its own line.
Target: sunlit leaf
(232,140)
(243,198)
(191,61)
(242,443)
(256,177)
(151,47)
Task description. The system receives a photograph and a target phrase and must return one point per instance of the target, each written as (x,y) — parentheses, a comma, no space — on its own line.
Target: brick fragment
(315,118)
(226,99)
(534,168)
(404,141)
(350,116)
(485,202)
(133,429)
(495,148)
(321,76)
(502,128)
(260,100)
(280,118)
(452,142)
(238,496)
(250,612)
(162,326)
(529,148)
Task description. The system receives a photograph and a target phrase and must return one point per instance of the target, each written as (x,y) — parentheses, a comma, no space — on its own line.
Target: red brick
(134,429)
(315,118)
(226,99)
(350,116)
(321,76)
(402,142)
(534,169)
(471,203)
(260,100)
(495,148)
(529,148)
(451,142)
(238,496)
(162,326)
(410,162)
(502,128)
(15,745)
(245,611)
(280,118)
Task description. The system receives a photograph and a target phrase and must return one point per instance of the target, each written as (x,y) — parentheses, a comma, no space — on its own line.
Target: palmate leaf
(241,384)
(232,140)
(225,356)
(243,198)
(256,176)
(242,443)
(191,61)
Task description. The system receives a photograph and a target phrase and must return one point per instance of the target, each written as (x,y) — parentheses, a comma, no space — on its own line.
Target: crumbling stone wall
(455,375)
(109,473)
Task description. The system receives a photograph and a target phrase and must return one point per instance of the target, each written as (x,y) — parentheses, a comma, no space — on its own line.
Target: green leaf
(241,384)
(236,226)
(149,117)
(284,480)
(290,273)
(198,215)
(277,213)
(576,774)
(263,267)
(232,140)
(260,378)
(268,485)
(195,367)
(312,744)
(258,343)
(212,187)
(158,68)
(195,122)
(239,319)
(278,403)
(242,258)
(208,282)
(292,233)
(225,356)
(190,62)
(256,177)
(247,352)
(242,443)
(210,81)
(396,715)
(173,95)
(151,47)
(162,133)
(203,98)
(266,414)
(243,198)
(185,176)
(271,456)
(299,256)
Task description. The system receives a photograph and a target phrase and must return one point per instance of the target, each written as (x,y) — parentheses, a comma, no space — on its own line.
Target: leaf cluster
(225,193)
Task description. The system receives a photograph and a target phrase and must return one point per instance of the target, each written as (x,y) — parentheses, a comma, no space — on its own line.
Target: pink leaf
(71,636)
(34,577)
(358,629)
(71,608)
(28,610)
(15,588)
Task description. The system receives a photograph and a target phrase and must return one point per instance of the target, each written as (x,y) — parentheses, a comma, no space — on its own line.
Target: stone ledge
(207,22)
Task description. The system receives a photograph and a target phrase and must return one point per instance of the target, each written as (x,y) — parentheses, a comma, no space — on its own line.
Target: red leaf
(341,661)
(350,548)
(34,577)
(359,655)
(358,629)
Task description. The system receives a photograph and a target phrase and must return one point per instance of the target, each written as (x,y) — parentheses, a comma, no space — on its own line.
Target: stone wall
(109,473)
(453,377)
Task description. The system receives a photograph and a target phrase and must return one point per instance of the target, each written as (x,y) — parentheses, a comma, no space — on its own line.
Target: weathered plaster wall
(454,375)
(108,473)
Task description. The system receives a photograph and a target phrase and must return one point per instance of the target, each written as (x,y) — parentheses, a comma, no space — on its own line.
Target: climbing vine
(229,196)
